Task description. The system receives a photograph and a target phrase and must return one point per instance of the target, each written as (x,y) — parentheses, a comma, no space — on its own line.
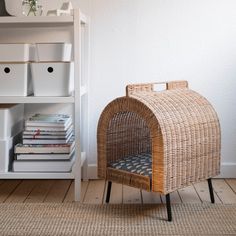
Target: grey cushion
(139,164)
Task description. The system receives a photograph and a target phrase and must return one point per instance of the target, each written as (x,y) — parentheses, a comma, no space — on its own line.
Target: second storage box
(52,78)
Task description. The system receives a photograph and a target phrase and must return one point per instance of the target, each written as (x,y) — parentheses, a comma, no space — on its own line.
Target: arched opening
(127,135)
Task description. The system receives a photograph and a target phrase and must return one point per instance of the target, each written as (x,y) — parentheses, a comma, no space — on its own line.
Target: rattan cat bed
(174,133)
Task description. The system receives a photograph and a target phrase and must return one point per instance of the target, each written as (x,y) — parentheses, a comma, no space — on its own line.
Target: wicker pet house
(172,135)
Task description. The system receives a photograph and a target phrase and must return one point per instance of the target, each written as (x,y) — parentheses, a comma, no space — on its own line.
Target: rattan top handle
(132,88)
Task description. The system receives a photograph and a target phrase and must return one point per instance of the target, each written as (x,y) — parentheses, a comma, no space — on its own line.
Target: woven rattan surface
(178,126)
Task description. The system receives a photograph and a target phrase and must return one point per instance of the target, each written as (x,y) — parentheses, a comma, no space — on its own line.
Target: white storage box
(52,79)
(11,120)
(15,79)
(7,152)
(53,52)
(14,52)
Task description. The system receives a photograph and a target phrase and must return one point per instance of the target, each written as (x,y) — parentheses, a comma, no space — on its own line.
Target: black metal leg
(211,191)
(168,206)
(108,191)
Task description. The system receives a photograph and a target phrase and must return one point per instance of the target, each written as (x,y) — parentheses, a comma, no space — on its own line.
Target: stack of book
(48,144)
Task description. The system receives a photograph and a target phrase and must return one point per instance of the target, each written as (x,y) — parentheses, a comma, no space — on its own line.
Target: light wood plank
(189,195)
(174,198)
(232,184)
(150,197)
(203,191)
(116,194)
(22,191)
(224,192)
(131,195)
(7,187)
(95,192)
(58,191)
(40,191)
(70,196)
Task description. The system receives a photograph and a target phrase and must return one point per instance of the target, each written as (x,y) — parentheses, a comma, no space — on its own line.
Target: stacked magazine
(48,144)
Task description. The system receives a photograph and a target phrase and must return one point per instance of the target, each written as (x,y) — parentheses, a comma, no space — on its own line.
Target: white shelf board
(32,99)
(37,20)
(36,175)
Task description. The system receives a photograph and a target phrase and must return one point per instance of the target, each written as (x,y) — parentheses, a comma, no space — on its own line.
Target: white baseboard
(228,170)
(92,172)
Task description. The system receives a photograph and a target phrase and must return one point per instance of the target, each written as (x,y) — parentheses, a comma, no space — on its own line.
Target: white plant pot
(52,78)
(14,7)
(53,52)
(15,79)
(13,52)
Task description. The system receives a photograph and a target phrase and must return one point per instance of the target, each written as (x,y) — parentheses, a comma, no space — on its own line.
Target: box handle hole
(7,70)
(50,69)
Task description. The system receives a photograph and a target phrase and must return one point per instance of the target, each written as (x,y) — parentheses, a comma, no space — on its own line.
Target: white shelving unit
(72,29)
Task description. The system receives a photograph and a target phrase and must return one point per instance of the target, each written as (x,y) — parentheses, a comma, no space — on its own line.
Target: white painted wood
(85,65)
(44,29)
(37,20)
(77,107)
(31,99)
(28,175)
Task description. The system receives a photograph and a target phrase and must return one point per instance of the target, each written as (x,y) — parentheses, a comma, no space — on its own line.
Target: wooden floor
(93,192)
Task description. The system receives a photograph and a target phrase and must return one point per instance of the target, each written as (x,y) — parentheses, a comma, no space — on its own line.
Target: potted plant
(31,7)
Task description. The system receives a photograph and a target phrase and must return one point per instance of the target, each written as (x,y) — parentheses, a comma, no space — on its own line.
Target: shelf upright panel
(77,105)
(85,21)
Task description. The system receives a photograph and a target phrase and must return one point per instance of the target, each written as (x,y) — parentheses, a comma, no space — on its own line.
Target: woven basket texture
(178,126)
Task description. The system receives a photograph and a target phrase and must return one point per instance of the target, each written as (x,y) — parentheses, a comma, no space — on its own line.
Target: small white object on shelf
(13,7)
(11,120)
(53,52)
(14,52)
(52,78)
(66,9)
(15,79)
(7,152)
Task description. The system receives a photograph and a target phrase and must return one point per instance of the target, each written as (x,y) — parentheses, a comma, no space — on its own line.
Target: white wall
(135,41)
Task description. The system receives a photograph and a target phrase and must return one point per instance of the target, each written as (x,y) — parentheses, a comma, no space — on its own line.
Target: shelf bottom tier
(36,175)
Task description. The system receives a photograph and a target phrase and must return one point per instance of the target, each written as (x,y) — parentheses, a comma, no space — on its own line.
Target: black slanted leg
(168,206)
(108,192)
(211,190)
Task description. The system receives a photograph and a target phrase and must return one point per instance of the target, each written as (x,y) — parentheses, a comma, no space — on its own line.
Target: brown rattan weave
(177,126)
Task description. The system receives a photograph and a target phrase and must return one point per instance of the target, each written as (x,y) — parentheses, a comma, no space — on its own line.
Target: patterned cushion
(139,164)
